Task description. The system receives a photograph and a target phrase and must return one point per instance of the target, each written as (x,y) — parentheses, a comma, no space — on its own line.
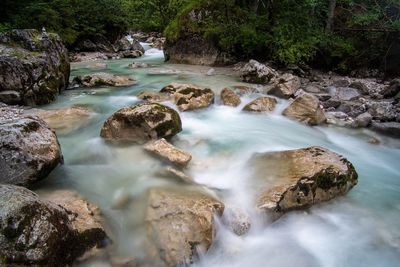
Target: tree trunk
(331,14)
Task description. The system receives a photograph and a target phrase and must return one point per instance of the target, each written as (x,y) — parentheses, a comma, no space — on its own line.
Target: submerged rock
(138,65)
(103,79)
(167,151)
(261,104)
(230,98)
(286,86)
(65,120)
(298,179)
(179,223)
(255,72)
(141,123)
(34,67)
(189,96)
(29,150)
(173,173)
(306,108)
(37,232)
(236,220)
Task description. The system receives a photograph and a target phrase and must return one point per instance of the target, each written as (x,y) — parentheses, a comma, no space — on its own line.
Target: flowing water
(360,229)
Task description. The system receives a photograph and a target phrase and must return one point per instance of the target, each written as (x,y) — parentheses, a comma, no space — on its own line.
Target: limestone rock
(34,68)
(141,123)
(168,152)
(65,120)
(298,179)
(179,222)
(230,98)
(29,150)
(286,86)
(103,79)
(255,72)
(261,104)
(189,96)
(306,108)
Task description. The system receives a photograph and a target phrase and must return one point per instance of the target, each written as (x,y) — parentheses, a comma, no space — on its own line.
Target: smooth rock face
(34,68)
(306,108)
(297,179)
(29,150)
(286,86)
(38,232)
(168,152)
(103,79)
(261,104)
(255,72)
(179,222)
(189,96)
(230,98)
(141,123)
(388,128)
(65,120)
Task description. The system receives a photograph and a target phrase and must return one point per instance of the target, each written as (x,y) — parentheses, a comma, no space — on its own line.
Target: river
(360,229)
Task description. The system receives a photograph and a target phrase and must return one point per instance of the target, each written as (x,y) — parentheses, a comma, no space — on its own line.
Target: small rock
(261,104)
(286,86)
(244,90)
(362,120)
(341,83)
(97,66)
(237,220)
(138,65)
(229,98)
(168,152)
(361,87)
(255,72)
(211,72)
(306,108)
(393,89)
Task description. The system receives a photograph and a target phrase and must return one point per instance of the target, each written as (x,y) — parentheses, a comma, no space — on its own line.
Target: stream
(360,229)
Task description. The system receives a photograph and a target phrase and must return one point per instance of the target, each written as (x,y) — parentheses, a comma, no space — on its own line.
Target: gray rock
(361,87)
(382,110)
(102,79)
(255,72)
(393,89)
(29,150)
(388,128)
(362,120)
(141,123)
(344,93)
(33,69)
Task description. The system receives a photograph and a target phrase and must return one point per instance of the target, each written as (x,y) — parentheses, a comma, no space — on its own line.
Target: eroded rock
(29,150)
(286,86)
(261,104)
(141,123)
(298,179)
(230,98)
(255,72)
(179,223)
(306,108)
(168,152)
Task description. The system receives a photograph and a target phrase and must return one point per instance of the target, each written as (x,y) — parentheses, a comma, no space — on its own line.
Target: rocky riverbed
(188,165)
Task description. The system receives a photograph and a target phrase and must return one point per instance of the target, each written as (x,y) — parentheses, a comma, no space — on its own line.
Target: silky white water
(359,229)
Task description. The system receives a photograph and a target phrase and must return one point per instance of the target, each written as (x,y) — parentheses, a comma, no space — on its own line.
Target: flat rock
(298,179)
(103,79)
(388,128)
(29,150)
(65,120)
(173,173)
(230,98)
(141,123)
(179,223)
(261,104)
(307,109)
(168,152)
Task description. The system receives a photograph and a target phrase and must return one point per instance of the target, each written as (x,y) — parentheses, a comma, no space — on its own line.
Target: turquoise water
(360,229)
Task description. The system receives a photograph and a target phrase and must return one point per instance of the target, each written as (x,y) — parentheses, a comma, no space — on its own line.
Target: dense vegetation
(343,34)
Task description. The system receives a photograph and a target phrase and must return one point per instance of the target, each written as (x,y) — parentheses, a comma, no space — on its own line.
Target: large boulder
(179,223)
(95,43)
(168,152)
(37,232)
(189,96)
(141,123)
(34,67)
(261,104)
(230,98)
(29,150)
(123,44)
(297,179)
(286,86)
(65,120)
(306,108)
(102,79)
(255,72)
